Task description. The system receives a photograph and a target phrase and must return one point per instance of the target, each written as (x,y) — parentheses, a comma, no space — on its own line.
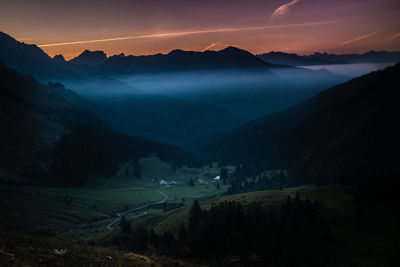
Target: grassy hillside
(84,212)
(364,235)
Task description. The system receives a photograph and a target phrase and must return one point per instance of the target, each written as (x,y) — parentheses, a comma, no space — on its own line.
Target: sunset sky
(150,26)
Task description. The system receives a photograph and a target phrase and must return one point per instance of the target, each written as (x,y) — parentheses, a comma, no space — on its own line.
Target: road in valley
(144,206)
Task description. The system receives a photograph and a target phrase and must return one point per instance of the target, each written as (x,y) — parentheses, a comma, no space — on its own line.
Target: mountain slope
(30,59)
(47,139)
(343,130)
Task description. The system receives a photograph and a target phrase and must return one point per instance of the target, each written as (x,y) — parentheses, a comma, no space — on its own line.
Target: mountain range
(30,59)
(331,136)
(329,59)
(205,77)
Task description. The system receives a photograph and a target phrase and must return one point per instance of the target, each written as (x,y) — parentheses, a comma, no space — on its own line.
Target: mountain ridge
(326,139)
(329,59)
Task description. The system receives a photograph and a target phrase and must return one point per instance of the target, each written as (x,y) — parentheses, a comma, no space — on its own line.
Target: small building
(217,178)
(163,182)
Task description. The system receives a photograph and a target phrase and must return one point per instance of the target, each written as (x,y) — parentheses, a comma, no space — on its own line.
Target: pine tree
(194,214)
(154,239)
(182,233)
(125,225)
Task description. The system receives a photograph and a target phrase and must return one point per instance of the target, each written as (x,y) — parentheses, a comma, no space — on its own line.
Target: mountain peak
(91,58)
(233,50)
(59,58)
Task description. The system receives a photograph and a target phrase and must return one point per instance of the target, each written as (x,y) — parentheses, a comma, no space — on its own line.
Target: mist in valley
(181,107)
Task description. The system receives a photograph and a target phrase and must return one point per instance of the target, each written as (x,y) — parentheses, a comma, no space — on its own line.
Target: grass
(84,212)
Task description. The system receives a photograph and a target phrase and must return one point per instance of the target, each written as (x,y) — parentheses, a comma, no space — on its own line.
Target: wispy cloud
(397,35)
(208,47)
(360,38)
(217,44)
(184,33)
(282,10)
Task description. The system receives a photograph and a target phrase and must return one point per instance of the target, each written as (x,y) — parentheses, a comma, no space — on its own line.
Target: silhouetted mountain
(369,57)
(230,58)
(45,138)
(59,58)
(295,60)
(328,139)
(91,58)
(30,59)
(328,59)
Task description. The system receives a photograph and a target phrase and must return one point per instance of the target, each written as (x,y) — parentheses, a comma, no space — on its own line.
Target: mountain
(328,59)
(295,60)
(30,59)
(46,139)
(91,58)
(230,58)
(347,129)
(369,57)
(59,58)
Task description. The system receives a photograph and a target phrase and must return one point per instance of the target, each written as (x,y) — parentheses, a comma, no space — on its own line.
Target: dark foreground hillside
(20,249)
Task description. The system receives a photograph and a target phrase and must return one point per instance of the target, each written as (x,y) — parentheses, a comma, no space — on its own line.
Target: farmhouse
(164,182)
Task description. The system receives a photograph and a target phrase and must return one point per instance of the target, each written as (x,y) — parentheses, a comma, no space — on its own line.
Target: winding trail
(119,215)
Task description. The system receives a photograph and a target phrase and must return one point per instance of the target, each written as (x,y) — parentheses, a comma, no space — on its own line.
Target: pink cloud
(283,9)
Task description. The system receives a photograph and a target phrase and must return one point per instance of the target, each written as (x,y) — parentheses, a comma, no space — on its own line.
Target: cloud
(360,38)
(208,47)
(397,35)
(217,44)
(283,9)
(184,33)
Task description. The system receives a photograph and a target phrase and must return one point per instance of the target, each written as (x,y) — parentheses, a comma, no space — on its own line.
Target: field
(84,212)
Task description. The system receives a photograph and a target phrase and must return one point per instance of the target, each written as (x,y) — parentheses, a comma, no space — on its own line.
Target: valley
(83,211)
(199,157)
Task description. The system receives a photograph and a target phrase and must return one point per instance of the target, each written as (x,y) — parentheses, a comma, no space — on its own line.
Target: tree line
(293,235)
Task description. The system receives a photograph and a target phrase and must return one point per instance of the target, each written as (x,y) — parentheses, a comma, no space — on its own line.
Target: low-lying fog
(352,70)
(180,107)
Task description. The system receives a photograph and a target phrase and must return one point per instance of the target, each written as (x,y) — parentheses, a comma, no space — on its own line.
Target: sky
(159,26)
